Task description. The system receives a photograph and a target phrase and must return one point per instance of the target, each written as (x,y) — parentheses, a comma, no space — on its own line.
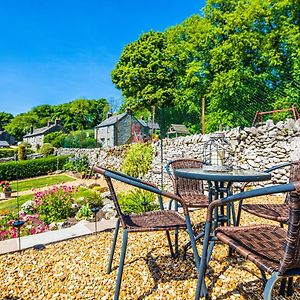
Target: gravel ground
(76,269)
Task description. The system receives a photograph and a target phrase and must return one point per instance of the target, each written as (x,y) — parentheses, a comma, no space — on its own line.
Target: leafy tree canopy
(5,118)
(242,55)
(75,115)
(143,73)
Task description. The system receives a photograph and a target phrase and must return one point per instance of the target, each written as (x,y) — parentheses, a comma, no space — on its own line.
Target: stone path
(80,229)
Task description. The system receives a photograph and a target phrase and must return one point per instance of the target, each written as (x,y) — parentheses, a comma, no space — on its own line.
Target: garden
(59,200)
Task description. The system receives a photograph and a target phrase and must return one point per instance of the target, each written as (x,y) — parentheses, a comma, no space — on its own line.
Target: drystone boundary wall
(252,148)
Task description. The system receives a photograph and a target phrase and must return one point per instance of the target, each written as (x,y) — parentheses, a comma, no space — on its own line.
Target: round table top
(228,176)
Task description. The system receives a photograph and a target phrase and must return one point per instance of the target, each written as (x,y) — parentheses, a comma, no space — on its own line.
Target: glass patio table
(220,184)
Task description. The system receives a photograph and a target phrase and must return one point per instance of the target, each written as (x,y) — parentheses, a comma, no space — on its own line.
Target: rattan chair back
(294,176)
(291,259)
(182,185)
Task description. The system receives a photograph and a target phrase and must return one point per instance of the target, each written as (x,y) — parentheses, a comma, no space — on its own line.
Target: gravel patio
(76,269)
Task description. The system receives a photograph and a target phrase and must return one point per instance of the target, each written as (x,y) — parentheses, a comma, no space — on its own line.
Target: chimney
(49,123)
(128,110)
(108,114)
(57,122)
(31,129)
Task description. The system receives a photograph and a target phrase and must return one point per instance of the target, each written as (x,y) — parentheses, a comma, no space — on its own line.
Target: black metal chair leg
(122,259)
(170,244)
(282,287)
(188,245)
(112,251)
(290,286)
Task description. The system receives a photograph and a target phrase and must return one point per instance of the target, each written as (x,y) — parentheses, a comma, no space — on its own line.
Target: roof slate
(148,124)
(4,144)
(179,128)
(112,120)
(40,131)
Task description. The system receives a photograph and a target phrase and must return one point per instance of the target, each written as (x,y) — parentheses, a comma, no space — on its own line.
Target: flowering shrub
(55,204)
(32,225)
(5,186)
(45,210)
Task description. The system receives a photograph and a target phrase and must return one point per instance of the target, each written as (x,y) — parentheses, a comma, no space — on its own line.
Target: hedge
(31,168)
(10,152)
(7,152)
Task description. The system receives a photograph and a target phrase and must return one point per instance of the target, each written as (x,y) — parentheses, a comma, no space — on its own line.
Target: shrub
(137,201)
(56,139)
(84,213)
(47,149)
(95,200)
(80,139)
(31,168)
(77,164)
(138,160)
(21,152)
(55,204)
(10,152)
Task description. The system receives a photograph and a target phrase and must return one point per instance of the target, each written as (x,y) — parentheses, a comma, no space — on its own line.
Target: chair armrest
(269,170)
(148,186)
(282,188)
(101,170)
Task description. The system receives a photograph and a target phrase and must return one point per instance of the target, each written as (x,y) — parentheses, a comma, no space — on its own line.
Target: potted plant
(6,189)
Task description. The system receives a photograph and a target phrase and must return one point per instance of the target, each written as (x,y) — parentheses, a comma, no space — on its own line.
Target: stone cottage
(6,139)
(36,136)
(123,129)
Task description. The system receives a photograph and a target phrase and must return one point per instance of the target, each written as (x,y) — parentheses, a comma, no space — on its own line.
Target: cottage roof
(112,120)
(42,130)
(4,144)
(178,128)
(148,124)
(5,136)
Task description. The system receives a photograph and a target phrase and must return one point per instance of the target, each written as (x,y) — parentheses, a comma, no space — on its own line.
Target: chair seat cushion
(262,244)
(153,221)
(194,199)
(274,212)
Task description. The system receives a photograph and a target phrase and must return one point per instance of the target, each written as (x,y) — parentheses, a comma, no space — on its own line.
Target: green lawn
(34,183)
(12,205)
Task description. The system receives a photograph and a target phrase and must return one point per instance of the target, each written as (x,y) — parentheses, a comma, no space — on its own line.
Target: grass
(35,183)
(12,205)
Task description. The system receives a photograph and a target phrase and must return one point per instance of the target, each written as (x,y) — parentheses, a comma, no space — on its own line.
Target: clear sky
(54,51)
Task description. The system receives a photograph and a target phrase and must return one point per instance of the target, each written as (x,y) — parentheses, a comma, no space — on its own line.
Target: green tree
(5,118)
(20,125)
(56,139)
(242,55)
(143,74)
(254,51)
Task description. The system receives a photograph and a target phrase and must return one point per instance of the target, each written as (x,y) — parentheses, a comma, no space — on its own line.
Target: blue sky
(54,51)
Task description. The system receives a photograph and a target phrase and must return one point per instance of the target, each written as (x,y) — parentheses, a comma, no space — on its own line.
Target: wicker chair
(273,249)
(275,212)
(162,220)
(191,191)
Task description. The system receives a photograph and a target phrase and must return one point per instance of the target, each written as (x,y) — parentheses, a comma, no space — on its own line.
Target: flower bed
(47,210)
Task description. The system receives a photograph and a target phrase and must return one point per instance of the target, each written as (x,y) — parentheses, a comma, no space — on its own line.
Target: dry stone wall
(252,148)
